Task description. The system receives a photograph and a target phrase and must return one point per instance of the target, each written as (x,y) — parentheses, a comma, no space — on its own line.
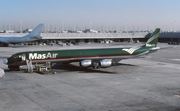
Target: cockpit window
(15,56)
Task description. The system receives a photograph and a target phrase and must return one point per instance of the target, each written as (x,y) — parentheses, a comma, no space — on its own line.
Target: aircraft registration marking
(42,56)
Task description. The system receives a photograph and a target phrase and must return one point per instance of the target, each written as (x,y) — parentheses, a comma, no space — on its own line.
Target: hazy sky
(92,13)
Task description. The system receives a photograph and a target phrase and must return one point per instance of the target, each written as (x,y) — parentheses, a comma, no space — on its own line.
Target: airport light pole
(20,27)
(62,26)
(174,26)
(90,25)
(14,28)
(50,29)
(55,29)
(133,29)
(125,27)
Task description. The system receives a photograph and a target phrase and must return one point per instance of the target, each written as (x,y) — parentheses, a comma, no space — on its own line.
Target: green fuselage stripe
(79,54)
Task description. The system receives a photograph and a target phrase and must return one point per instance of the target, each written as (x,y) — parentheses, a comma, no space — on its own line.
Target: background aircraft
(95,57)
(32,36)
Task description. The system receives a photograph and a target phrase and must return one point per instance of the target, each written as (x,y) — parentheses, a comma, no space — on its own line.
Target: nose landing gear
(13,68)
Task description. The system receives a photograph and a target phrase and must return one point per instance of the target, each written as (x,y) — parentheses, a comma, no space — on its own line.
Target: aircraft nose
(5,61)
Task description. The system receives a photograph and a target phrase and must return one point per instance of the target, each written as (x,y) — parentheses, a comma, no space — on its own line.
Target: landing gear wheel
(16,68)
(11,69)
(96,65)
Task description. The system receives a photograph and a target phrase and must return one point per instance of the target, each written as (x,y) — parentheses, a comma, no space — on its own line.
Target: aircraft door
(23,57)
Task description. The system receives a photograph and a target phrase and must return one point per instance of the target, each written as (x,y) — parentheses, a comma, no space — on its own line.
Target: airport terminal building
(90,36)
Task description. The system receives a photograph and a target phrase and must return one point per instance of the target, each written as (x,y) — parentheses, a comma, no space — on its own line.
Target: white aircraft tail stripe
(152,41)
(131,50)
(152,38)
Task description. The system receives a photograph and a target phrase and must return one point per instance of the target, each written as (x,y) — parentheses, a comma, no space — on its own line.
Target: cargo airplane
(32,36)
(94,57)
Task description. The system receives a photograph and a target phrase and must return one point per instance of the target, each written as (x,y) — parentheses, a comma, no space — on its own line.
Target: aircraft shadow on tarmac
(59,68)
(72,67)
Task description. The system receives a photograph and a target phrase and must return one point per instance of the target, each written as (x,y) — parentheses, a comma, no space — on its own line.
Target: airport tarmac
(145,84)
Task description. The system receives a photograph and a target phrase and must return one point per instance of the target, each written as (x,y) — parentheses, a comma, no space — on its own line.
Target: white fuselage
(15,39)
(32,36)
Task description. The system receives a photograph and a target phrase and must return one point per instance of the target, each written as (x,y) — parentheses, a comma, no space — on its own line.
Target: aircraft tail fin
(36,33)
(152,41)
(150,44)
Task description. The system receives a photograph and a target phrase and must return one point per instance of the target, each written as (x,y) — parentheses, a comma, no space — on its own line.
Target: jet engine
(85,63)
(105,63)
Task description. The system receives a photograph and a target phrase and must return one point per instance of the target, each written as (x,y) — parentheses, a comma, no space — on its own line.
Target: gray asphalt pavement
(148,84)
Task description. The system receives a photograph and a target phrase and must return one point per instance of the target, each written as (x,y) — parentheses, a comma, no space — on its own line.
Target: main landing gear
(17,67)
(95,65)
(44,69)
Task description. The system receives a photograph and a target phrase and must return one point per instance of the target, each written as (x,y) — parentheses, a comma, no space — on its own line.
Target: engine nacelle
(85,63)
(105,63)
